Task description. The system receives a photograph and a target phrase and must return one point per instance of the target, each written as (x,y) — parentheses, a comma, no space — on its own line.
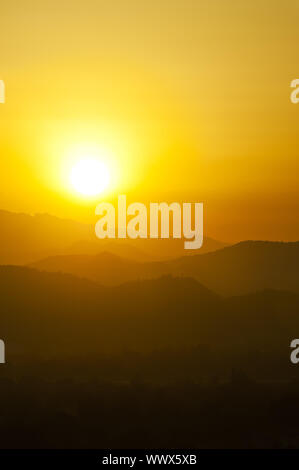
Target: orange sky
(182,99)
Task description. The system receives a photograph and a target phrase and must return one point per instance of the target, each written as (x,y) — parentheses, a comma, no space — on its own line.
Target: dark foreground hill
(53,314)
(162,363)
(246,267)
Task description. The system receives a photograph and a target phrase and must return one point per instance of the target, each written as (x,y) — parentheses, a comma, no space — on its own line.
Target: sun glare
(89,177)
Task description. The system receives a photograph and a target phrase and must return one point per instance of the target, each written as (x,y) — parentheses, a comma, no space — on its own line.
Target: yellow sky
(183,99)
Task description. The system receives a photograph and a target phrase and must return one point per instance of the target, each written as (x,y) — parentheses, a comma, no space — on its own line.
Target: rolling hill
(27,238)
(46,314)
(239,269)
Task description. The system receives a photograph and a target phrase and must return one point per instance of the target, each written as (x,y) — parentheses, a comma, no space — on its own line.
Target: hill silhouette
(142,249)
(64,313)
(51,313)
(24,238)
(150,363)
(27,238)
(245,267)
(239,269)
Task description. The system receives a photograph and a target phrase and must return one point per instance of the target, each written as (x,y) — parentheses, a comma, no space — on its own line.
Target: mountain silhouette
(27,238)
(142,249)
(24,238)
(239,269)
(48,314)
(245,267)
(160,363)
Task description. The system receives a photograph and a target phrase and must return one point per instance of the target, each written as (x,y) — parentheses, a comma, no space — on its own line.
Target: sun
(89,177)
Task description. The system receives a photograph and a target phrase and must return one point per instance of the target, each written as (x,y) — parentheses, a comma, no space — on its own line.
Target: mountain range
(48,314)
(27,238)
(246,267)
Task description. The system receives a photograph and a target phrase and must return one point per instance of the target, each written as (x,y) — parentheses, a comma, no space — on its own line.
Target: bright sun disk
(89,177)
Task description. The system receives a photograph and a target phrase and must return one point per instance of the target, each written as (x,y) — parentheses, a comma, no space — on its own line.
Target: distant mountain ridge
(238,269)
(50,314)
(27,238)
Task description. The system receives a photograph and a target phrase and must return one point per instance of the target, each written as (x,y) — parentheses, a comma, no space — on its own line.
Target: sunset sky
(182,100)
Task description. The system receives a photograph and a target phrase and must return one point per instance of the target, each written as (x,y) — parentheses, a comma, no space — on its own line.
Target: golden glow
(160,94)
(89,177)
